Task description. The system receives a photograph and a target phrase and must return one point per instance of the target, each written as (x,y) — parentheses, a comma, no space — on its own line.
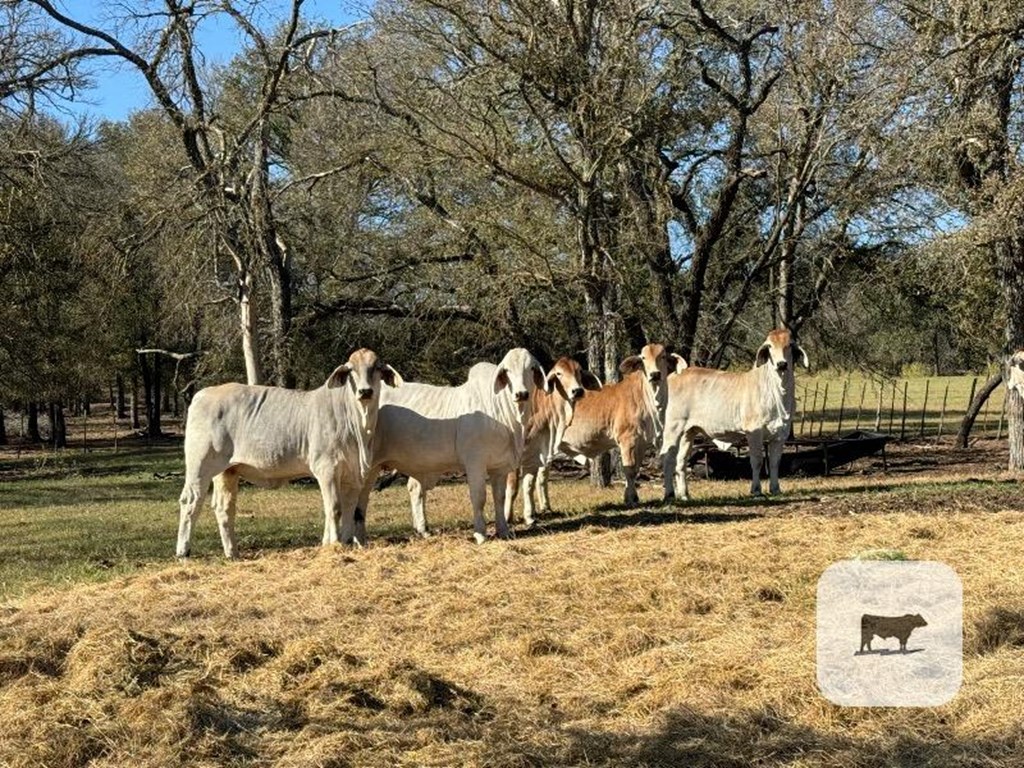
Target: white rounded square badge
(890,633)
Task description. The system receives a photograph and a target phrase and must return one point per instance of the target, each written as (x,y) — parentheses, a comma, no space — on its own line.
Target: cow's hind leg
(530,485)
(225,496)
(477,480)
(363,504)
(348,529)
(498,481)
(190,502)
(630,454)
(511,492)
(418,488)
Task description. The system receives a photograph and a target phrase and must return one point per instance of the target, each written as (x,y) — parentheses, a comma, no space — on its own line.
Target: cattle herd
(503,426)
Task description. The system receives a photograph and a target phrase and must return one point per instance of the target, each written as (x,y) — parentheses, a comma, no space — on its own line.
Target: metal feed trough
(812,456)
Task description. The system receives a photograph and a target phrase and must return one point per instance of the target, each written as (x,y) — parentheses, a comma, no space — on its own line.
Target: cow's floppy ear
(339,376)
(798,351)
(501,380)
(764,354)
(590,381)
(680,363)
(390,376)
(631,364)
(540,379)
(551,381)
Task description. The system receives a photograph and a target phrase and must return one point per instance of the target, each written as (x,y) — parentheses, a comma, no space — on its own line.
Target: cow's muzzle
(522,397)
(781,366)
(578,393)
(365,394)
(654,377)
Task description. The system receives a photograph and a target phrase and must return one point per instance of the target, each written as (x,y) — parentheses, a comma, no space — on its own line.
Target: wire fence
(907,409)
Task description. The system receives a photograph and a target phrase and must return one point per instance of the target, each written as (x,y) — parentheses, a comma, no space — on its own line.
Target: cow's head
(569,380)
(918,620)
(1015,373)
(655,361)
(521,373)
(779,350)
(363,373)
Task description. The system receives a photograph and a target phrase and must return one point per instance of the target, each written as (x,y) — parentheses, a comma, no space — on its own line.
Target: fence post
(860,407)
(942,414)
(892,405)
(842,407)
(803,412)
(878,411)
(824,403)
(903,419)
(814,409)
(924,408)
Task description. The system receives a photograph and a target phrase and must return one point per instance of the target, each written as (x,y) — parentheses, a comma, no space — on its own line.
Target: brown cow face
(521,373)
(1015,373)
(568,379)
(364,372)
(778,350)
(655,361)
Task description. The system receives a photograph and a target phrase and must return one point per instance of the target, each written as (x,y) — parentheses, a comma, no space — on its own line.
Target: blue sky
(120,89)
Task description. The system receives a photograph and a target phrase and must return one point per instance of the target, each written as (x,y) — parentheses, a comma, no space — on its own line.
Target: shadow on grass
(630,518)
(764,737)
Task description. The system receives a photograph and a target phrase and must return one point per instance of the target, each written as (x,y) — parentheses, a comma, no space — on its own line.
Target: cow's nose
(577,393)
(781,366)
(365,394)
(521,396)
(655,376)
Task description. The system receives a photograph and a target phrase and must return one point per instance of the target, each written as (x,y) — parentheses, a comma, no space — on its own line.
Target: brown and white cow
(551,413)
(627,414)
(730,407)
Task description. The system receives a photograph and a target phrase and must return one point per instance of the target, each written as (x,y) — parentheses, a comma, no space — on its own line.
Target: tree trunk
(120,401)
(247,321)
(151,383)
(135,401)
(601,466)
(3,428)
(58,426)
(33,423)
(974,409)
(167,398)
(1012,275)
(280,315)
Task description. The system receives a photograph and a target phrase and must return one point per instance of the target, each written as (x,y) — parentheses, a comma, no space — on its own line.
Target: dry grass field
(666,635)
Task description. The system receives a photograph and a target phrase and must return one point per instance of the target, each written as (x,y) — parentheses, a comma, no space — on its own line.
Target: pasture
(664,635)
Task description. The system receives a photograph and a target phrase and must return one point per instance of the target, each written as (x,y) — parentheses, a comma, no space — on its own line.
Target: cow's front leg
(225,495)
(498,481)
(330,491)
(775,448)
(418,488)
(348,532)
(630,454)
(363,504)
(543,500)
(756,443)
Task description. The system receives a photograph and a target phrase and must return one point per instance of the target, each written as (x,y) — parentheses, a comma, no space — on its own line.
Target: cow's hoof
(505,535)
(528,524)
(424,534)
(479,538)
(669,497)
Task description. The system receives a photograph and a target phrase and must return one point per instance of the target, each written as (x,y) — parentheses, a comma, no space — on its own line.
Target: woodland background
(443,180)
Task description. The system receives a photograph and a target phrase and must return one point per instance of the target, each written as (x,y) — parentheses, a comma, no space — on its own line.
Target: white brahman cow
(478,427)
(551,413)
(270,435)
(730,407)
(626,414)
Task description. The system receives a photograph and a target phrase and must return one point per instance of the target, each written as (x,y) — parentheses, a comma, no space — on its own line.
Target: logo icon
(875,646)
